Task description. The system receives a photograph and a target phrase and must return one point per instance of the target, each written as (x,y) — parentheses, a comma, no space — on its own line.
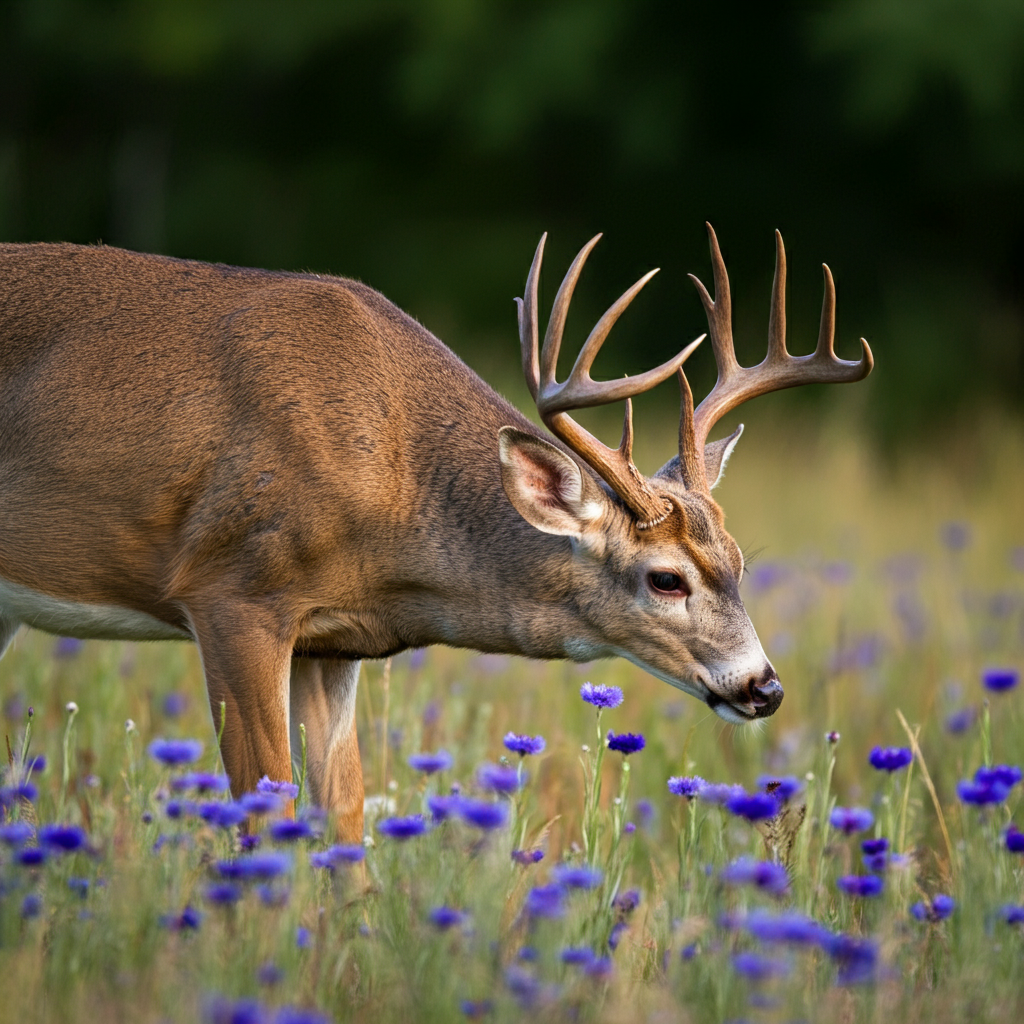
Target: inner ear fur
(546,487)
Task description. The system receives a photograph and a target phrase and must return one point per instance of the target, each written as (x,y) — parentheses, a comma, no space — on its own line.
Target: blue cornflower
(574,876)
(1011,914)
(287,790)
(442,807)
(223,893)
(300,1015)
(753,806)
(31,906)
(1014,839)
(577,956)
(626,743)
(175,704)
(758,967)
(249,842)
(856,957)
(175,809)
(851,819)
(482,813)
(444,918)
(255,866)
(402,828)
(67,647)
(789,927)
(626,902)
(990,785)
(440,761)
(545,901)
(762,874)
(17,833)
(222,815)
(261,803)
(720,792)
(10,795)
(999,774)
(220,1010)
(872,847)
(523,985)
(474,1008)
(268,973)
(290,830)
(686,785)
(32,856)
(938,909)
(782,787)
(616,934)
(499,778)
(890,759)
(36,764)
(527,856)
(524,745)
(600,695)
(960,721)
(188,920)
(62,838)
(599,967)
(202,782)
(79,886)
(174,752)
(860,885)
(342,853)
(1000,679)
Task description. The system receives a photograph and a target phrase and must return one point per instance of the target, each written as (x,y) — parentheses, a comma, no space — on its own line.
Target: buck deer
(294,474)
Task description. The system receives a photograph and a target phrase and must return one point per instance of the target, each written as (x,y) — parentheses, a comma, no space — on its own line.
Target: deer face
(666,598)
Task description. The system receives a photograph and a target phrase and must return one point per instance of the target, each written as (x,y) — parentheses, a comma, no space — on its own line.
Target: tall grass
(882,591)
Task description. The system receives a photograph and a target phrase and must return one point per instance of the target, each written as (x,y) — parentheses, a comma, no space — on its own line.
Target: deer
(289,471)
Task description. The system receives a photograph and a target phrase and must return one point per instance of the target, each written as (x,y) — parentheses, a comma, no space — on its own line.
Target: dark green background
(423,145)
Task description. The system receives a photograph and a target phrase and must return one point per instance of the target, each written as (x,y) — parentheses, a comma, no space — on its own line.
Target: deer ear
(546,487)
(716,455)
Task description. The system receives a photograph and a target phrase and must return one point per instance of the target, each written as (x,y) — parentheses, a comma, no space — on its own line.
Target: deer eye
(667,583)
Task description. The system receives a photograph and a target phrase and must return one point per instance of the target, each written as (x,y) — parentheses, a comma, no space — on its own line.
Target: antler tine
(736,384)
(527,316)
(556,323)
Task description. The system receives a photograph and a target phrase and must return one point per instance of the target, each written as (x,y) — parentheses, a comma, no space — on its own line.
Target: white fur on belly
(85,621)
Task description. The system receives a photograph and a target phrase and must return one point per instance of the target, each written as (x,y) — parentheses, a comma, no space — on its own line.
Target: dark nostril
(765,694)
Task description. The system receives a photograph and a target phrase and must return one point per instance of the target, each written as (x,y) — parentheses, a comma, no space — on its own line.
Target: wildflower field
(571,842)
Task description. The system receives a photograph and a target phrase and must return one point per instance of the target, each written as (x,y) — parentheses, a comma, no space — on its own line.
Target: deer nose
(765,694)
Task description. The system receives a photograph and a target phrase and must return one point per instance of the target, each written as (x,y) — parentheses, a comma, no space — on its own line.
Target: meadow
(579,882)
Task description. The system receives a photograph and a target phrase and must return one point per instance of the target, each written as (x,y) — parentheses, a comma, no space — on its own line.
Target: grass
(872,619)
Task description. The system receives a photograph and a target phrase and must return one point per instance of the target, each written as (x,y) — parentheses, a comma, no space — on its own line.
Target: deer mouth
(737,714)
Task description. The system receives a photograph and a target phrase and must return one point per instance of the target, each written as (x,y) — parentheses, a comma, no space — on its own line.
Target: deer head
(656,572)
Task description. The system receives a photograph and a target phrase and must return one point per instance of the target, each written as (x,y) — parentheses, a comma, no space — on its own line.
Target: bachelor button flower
(576,956)
(999,774)
(626,743)
(999,679)
(10,795)
(527,856)
(753,806)
(403,828)
(220,1010)
(202,782)
(782,787)
(599,967)
(762,874)
(876,854)
(222,815)
(757,967)
(499,778)
(67,647)
(223,893)
(990,785)
(686,785)
(31,906)
(261,803)
(255,866)
(342,853)
(524,745)
(80,886)
(938,909)
(960,721)
(790,927)
(300,1015)
(1011,914)
(32,856)
(268,973)
(36,764)
(443,918)
(474,1008)
(442,807)
(860,885)
(1014,839)
(175,704)
(851,819)
(17,833)
(482,813)
(720,792)
(440,761)
(62,838)
(545,901)
(576,877)
(287,790)
(188,920)
(600,695)
(856,957)
(890,759)
(289,830)
(175,751)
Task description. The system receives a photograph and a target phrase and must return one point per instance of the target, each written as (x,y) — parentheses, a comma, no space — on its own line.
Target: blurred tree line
(423,145)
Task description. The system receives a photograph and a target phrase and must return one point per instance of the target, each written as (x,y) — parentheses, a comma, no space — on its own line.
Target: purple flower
(527,856)
(67,647)
(857,958)
(851,819)
(576,956)
(990,785)
(79,886)
(626,902)
(960,721)
(474,1008)
(874,846)
(686,785)
(499,778)
(524,745)
(255,866)
(955,536)
(440,761)
(175,704)
(600,695)
(220,1010)
(482,814)
(342,853)
(223,893)
(443,918)
(188,920)
(599,967)
(753,806)
(787,927)
(62,838)
(10,795)
(573,876)
(998,775)
(938,909)
(890,759)
(720,792)
(758,967)
(442,807)
(289,830)
(1011,914)
(860,885)
(1000,679)
(36,764)
(1014,839)
(300,1015)
(402,828)
(201,782)
(545,901)
(174,752)
(782,787)
(31,906)
(261,803)
(761,874)
(17,833)
(286,790)
(32,856)
(221,815)
(626,743)
(268,973)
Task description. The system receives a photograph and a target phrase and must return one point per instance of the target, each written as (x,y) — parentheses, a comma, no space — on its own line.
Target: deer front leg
(246,661)
(323,699)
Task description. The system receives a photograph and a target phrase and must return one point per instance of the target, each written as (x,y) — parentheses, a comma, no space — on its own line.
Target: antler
(614,465)
(736,384)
